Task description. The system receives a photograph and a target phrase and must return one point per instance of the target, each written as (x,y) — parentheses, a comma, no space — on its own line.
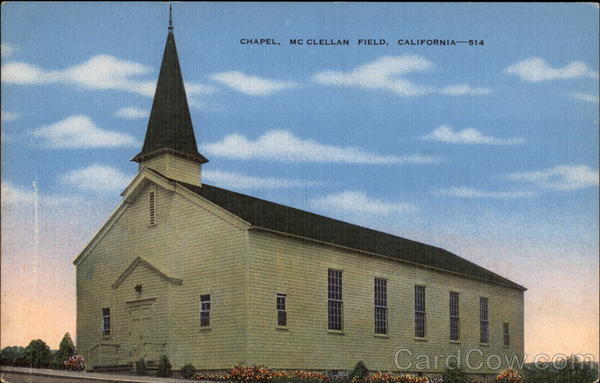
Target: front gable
(140,182)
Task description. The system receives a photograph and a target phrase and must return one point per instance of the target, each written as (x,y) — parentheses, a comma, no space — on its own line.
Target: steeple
(170,142)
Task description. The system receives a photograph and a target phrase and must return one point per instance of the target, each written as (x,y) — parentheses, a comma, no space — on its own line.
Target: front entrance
(141,330)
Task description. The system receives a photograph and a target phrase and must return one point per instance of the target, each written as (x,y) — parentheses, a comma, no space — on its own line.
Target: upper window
(205,310)
(483,320)
(454,317)
(506,334)
(335,303)
(106,321)
(420,311)
(281,310)
(152,208)
(380,306)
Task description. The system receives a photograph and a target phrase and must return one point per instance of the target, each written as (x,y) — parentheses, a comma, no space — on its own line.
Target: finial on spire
(170,17)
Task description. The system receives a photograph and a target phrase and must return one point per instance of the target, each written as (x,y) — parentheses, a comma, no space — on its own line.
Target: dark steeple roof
(170,125)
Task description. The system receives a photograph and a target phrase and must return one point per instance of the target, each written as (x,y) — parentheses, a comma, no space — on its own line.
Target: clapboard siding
(187,242)
(298,268)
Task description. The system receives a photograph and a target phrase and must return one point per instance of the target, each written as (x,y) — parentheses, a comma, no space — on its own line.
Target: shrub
(65,351)
(188,371)
(74,363)
(140,367)
(13,356)
(359,373)
(164,367)
(454,374)
(37,354)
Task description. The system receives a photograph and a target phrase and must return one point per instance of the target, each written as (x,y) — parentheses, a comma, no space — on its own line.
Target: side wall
(299,269)
(188,242)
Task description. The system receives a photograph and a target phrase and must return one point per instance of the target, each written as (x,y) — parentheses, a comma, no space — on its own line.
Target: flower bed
(261,374)
(509,376)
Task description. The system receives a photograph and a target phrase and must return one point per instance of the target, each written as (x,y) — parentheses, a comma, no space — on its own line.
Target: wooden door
(141,330)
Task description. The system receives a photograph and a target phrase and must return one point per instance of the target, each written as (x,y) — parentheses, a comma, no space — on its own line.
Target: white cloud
(101,72)
(359,202)
(97,178)
(463,89)
(281,145)
(252,85)
(81,132)
(536,69)
(239,181)
(447,133)
(585,97)
(386,73)
(464,192)
(561,177)
(131,113)
(7,49)
(16,196)
(9,116)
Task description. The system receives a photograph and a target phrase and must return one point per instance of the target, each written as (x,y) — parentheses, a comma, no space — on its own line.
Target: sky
(489,150)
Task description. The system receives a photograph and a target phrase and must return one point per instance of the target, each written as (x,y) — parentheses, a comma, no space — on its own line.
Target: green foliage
(65,351)
(37,354)
(188,371)
(359,373)
(571,370)
(140,367)
(454,374)
(13,356)
(164,367)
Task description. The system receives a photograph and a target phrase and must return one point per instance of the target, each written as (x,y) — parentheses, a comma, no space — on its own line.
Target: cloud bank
(447,134)
(386,73)
(101,72)
(252,85)
(281,145)
(80,132)
(238,181)
(359,202)
(465,192)
(97,178)
(536,69)
(561,177)
(131,113)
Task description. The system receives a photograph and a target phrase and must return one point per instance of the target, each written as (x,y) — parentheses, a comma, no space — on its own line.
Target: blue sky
(489,151)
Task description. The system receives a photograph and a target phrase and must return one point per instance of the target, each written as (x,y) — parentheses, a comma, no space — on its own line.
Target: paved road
(19,378)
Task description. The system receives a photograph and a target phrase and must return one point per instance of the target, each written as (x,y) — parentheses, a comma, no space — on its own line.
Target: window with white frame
(335,303)
(205,310)
(106,321)
(281,310)
(506,334)
(420,330)
(454,317)
(380,306)
(484,335)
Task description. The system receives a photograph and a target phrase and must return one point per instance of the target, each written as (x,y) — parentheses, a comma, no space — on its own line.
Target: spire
(170,126)
(170,17)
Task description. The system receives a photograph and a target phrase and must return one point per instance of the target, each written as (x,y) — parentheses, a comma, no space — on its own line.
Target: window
(483,320)
(335,304)
(420,311)
(281,313)
(506,334)
(380,306)
(205,310)
(106,321)
(151,208)
(454,318)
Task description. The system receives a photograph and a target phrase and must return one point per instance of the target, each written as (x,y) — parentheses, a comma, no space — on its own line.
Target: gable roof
(288,220)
